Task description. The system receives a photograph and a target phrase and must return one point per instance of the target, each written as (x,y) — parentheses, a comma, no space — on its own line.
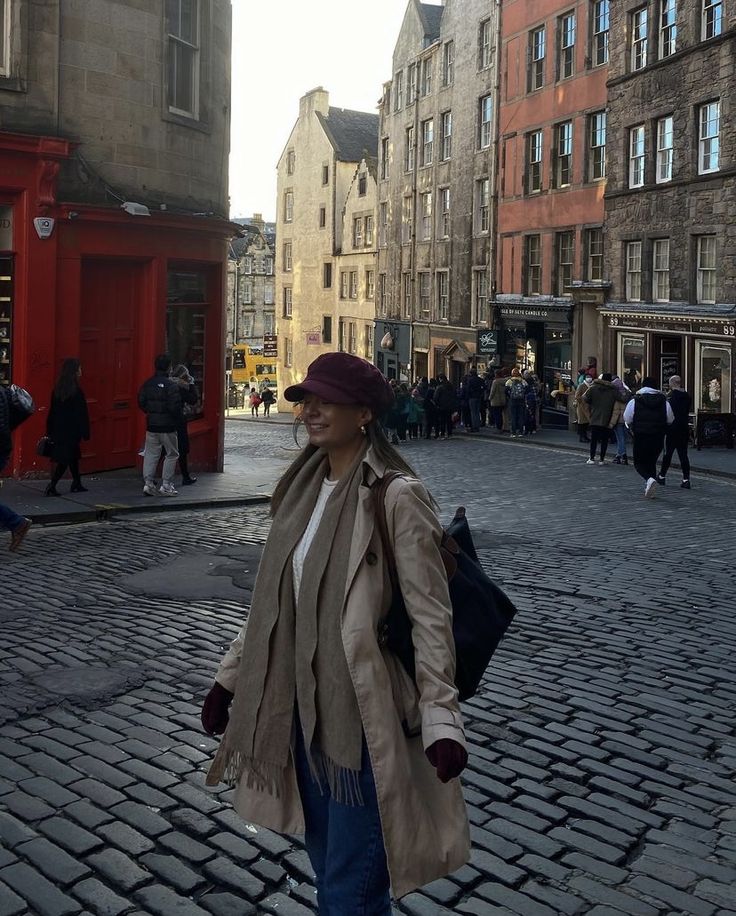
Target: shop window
(713,377)
(667,28)
(633,271)
(639,36)
(631,359)
(601,23)
(712,22)
(186,325)
(597,150)
(557,370)
(661,270)
(6,314)
(182,24)
(566,46)
(665,149)
(706,276)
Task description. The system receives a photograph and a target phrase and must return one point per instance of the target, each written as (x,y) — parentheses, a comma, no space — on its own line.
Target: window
(399,91)
(382,298)
(327,329)
(288,206)
(325,174)
(636,156)
(362,184)
(290,161)
(187,308)
(269,322)
(594,247)
(411,84)
(482,205)
(410,150)
(427,65)
(4,38)
(639,35)
(709,137)
(601,23)
(661,270)
(288,352)
(322,217)
(480,278)
(327,275)
(533,265)
(535,78)
(287,302)
(268,295)
(406,295)
(248,264)
(384,159)
(370,284)
(343,284)
(369,232)
(358,232)
(269,266)
(182,22)
(667,28)
(712,19)
(486,114)
(407,216)
(563,154)
(566,50)
(534,162)
(427,141)
(597,150)
(665,150)
(713,373)
(383,224)
(287,256)
(353,284)
(247,289)
(426,200)
(443,295)
(484,45)
(706,279)
(425,293)
(446,121)
(444,213)
(448,63)
(565,254)
(341,335)
(352,337)
(368,352)
(249,325)
(633,271)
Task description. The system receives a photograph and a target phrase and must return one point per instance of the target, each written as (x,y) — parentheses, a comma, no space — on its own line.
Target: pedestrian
(678,433)
(160,400)
(17,525)
(601,397)
(189,398)
(617,420)
(648,414)
(415,414)
(445,400)
(474,386)
(67,424)
(401,406)
(430,410)
(497,400)
(314,742)
(254,400)
(531,402)
(582,408)
(485,412)
(267,400)
(516,389)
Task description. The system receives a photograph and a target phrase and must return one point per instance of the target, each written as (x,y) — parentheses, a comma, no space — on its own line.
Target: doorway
(668,350)
(111,292)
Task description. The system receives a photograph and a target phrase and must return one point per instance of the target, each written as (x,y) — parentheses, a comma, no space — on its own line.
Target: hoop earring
(363,430)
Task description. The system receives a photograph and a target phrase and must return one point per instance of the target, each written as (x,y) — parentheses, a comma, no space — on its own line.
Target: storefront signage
(314,338)
(487,343)
(517,312)
(393,339)
(683,326)
(6,228)
(270,346)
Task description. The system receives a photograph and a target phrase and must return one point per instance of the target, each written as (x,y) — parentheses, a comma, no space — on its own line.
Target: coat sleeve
(142,397)
(227,673)
(417,534)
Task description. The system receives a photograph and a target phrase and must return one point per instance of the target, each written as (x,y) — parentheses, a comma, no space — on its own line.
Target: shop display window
(557,371)
(631,360)
(6,319)
(713,378)
(186,325)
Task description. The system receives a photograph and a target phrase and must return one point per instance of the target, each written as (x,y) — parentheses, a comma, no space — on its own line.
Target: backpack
(517,390)
(481,611)
(20,404)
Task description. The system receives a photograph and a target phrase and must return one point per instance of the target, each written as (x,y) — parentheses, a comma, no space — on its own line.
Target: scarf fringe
(255,774)
(343,783)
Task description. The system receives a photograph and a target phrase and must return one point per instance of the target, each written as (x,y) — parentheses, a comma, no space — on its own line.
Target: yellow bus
(251,368)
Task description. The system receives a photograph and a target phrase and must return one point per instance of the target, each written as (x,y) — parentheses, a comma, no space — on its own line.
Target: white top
(302,548)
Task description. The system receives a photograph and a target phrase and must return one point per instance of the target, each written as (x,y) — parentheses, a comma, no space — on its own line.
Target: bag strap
(380,488)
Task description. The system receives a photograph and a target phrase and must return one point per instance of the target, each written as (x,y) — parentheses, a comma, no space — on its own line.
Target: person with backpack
(324,731)
(648,414)
(11,416)
(516,389)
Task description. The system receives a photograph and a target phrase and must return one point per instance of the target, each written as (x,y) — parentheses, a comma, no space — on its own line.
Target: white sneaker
(168,490)
(650,490)
(590,461)
(601,461)
(149,489)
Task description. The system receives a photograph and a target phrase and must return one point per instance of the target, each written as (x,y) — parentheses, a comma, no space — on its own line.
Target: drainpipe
(414,211)
(497,318)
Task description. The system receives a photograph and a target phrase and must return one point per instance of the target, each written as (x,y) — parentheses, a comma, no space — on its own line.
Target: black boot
(51,490)
(77,487)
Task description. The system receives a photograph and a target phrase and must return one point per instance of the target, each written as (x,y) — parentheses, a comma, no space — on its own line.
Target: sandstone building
(250,284)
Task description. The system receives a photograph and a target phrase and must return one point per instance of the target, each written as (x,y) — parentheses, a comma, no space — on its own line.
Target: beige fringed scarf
(293,655)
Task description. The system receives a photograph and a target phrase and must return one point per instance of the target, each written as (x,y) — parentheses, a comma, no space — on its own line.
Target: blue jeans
(9,519)
(517,412)
(620,431)
(344,843)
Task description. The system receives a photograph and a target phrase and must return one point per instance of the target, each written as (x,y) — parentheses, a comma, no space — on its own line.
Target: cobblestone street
(601,775)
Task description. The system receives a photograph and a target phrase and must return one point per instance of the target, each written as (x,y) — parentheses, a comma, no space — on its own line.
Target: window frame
(426,76)
(485,121)
(707,7)
(445,196)
(370,283)
(358,238)
(639,42)
(533,269)
(665,154)
(289,205)
(427,157)
(327,275)
(446,136)
(407,218)
(534,165)
(480,295)
(425,295)
(482,206)
(594,254)
(411,84)
(288,302)
(704,142)
(658,271)
(448,63)
(600,32)
(637,156)
(288,259)
(564,268)
(195,48)
(383,224)
(398,90)
(406,294)
(368,231)
(667,38)
(410,149)
(560,156)
(535,75)
(442,285)
(485,45)
(290,159)
(426,215)
(633,278)
(700,285)
(566,45)
(596,149)
(385,158)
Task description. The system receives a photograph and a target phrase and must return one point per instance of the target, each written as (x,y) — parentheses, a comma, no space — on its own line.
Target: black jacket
(680,402)
(67,424)
(650,414)
(445,397)
(161,401)
(474,386)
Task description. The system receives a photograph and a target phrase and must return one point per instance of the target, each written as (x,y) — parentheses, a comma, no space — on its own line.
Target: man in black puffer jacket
(678,433)
(159,397)
(648,414)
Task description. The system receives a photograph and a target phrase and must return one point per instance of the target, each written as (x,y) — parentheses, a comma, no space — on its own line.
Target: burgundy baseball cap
(341,378)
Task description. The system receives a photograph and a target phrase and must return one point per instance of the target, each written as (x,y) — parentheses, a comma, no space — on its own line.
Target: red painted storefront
(114,290)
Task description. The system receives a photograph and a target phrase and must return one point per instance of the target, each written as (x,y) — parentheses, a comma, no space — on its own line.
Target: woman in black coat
(66,425)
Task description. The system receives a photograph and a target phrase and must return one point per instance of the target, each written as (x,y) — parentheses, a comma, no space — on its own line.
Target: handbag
(44,447)
(481,611)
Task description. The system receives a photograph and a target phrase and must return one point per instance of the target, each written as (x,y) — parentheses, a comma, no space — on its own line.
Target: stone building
(671,235)
(435,187)
(250,283)
(325,261)
(114,140)
(552,178)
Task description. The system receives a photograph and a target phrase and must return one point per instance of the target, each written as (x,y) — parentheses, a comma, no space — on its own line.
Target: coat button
(371,559)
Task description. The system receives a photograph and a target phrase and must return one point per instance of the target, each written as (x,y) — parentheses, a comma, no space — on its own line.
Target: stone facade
(250,283)
(325,180)
(97,72)
(435,233)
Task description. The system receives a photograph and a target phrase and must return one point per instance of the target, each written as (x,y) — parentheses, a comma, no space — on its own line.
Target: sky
(281,50)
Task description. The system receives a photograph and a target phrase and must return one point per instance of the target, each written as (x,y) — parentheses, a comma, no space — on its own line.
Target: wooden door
(110,296)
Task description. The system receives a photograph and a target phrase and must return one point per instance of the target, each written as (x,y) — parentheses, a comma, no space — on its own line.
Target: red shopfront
(113,289)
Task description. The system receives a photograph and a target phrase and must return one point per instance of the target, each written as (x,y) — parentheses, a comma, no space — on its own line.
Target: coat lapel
(364,524)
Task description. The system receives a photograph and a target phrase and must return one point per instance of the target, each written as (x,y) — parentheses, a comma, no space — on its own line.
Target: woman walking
(327,733)
(67,424)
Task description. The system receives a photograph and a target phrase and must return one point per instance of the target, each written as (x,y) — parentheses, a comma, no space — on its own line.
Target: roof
(353,134)
(431,19)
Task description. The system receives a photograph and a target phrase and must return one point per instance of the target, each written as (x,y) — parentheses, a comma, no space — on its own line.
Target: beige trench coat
(425,826)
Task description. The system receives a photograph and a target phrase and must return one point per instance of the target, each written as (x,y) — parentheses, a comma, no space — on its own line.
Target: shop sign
(393,338)
(6,228)
(487,343)
(270,346)
(682,326)
(520,312)
(314,338)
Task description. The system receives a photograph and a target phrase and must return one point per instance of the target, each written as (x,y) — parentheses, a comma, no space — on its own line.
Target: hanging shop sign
(487,343)
(270,346)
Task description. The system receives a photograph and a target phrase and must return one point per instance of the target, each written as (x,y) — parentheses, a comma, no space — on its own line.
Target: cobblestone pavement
(603,745)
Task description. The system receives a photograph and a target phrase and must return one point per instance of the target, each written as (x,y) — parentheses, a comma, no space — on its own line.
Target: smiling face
(333,427)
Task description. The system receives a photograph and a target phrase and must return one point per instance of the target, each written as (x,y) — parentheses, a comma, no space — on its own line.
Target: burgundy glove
(215,714)
(447,757)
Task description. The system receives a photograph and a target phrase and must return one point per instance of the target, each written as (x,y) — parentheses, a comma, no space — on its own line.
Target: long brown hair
(377,440)
(68,382)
